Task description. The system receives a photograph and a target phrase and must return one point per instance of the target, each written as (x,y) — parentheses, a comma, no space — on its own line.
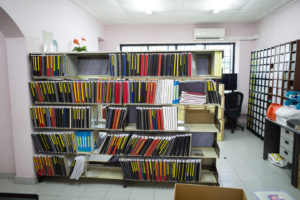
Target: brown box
(200,192)
(195,115)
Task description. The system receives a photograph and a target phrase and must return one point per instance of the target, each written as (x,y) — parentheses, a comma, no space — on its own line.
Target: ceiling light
(216,11)
(148,11)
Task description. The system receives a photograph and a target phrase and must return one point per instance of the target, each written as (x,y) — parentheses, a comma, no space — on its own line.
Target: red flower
(75,41)
(82,38)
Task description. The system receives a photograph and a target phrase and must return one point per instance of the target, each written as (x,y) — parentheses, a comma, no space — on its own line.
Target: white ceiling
(119,12)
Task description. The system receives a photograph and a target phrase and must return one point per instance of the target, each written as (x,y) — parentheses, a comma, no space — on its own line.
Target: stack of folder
(50,165)
(156,118)
(167,92)
(48,65)
(150,118)
(170,118)
(195,98)
(145,145)
(116,117)
(161,170)
(84,142)
(114,144)
(54,142)
(77,168)
(212,95)
(117,92)
(81,117)
(150,64)
(50,116)
(142,91)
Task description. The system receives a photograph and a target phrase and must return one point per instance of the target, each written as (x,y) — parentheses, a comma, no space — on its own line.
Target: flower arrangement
(79,48)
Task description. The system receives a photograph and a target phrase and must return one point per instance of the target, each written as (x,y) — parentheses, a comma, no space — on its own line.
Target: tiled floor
(240,166)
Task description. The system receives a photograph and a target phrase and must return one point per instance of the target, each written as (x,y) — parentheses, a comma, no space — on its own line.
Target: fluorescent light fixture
(148,11)
(145,6)
(219,5)
(216,11)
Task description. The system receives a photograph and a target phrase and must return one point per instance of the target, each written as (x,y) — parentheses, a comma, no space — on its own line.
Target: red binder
(41,66)
(142,65)
(153,91)
(190,64)
(146,65)
(159,65)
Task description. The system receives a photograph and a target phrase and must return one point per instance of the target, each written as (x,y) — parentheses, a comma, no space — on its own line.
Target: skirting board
(7,175)
(26,180)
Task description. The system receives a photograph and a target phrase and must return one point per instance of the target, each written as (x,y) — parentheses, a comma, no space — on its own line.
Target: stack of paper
(78,168)
(196,98)
(170,117)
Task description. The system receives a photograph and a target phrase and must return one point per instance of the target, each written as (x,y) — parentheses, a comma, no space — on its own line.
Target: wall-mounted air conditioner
(209,33)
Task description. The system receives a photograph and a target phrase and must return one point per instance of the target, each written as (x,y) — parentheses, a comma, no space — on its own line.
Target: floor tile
(8,185)
(66,198)
(164,194)
(73,190)
(240,166)
(46,197)
(144,193)
(50,189)
(229,176)
(96,190)
(232,184)
(118,192)
(28,189)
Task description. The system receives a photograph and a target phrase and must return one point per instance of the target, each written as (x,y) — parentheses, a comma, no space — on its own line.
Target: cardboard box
(194,115)
(200,192)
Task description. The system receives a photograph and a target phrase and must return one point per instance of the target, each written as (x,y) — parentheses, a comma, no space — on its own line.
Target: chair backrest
(233,104)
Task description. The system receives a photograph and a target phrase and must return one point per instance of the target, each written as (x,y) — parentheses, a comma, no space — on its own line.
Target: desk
(272,144)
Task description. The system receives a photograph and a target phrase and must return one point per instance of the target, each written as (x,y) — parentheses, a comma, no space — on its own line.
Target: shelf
(83,77)
(121,104)
(104,172)
(93,53)
(77,129)
(107,77)
(184,78)
(131,127)
(202,128)
(208,152)
(206,177)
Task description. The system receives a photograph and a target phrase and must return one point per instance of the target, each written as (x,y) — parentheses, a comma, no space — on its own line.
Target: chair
(233,107)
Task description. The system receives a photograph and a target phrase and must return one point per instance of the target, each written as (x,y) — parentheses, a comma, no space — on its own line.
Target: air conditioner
(209,33)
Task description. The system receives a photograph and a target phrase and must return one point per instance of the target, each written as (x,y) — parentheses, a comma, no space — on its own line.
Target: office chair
(233,107)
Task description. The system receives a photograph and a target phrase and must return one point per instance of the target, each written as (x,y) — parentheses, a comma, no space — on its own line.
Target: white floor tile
(118,192)
(29,189)
(46,197)
(164,194)
(66,198)
(8,185)
(73,190)
(50,189)
(96,190)
(144,193)
(232,184)
(229,176)
(240,166)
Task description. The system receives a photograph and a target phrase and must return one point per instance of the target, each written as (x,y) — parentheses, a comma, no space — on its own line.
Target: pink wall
(61,17)
(182,33)
(243,60)
(279,27)
(65,20)
(18,77)
(6,141)
(116,35)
